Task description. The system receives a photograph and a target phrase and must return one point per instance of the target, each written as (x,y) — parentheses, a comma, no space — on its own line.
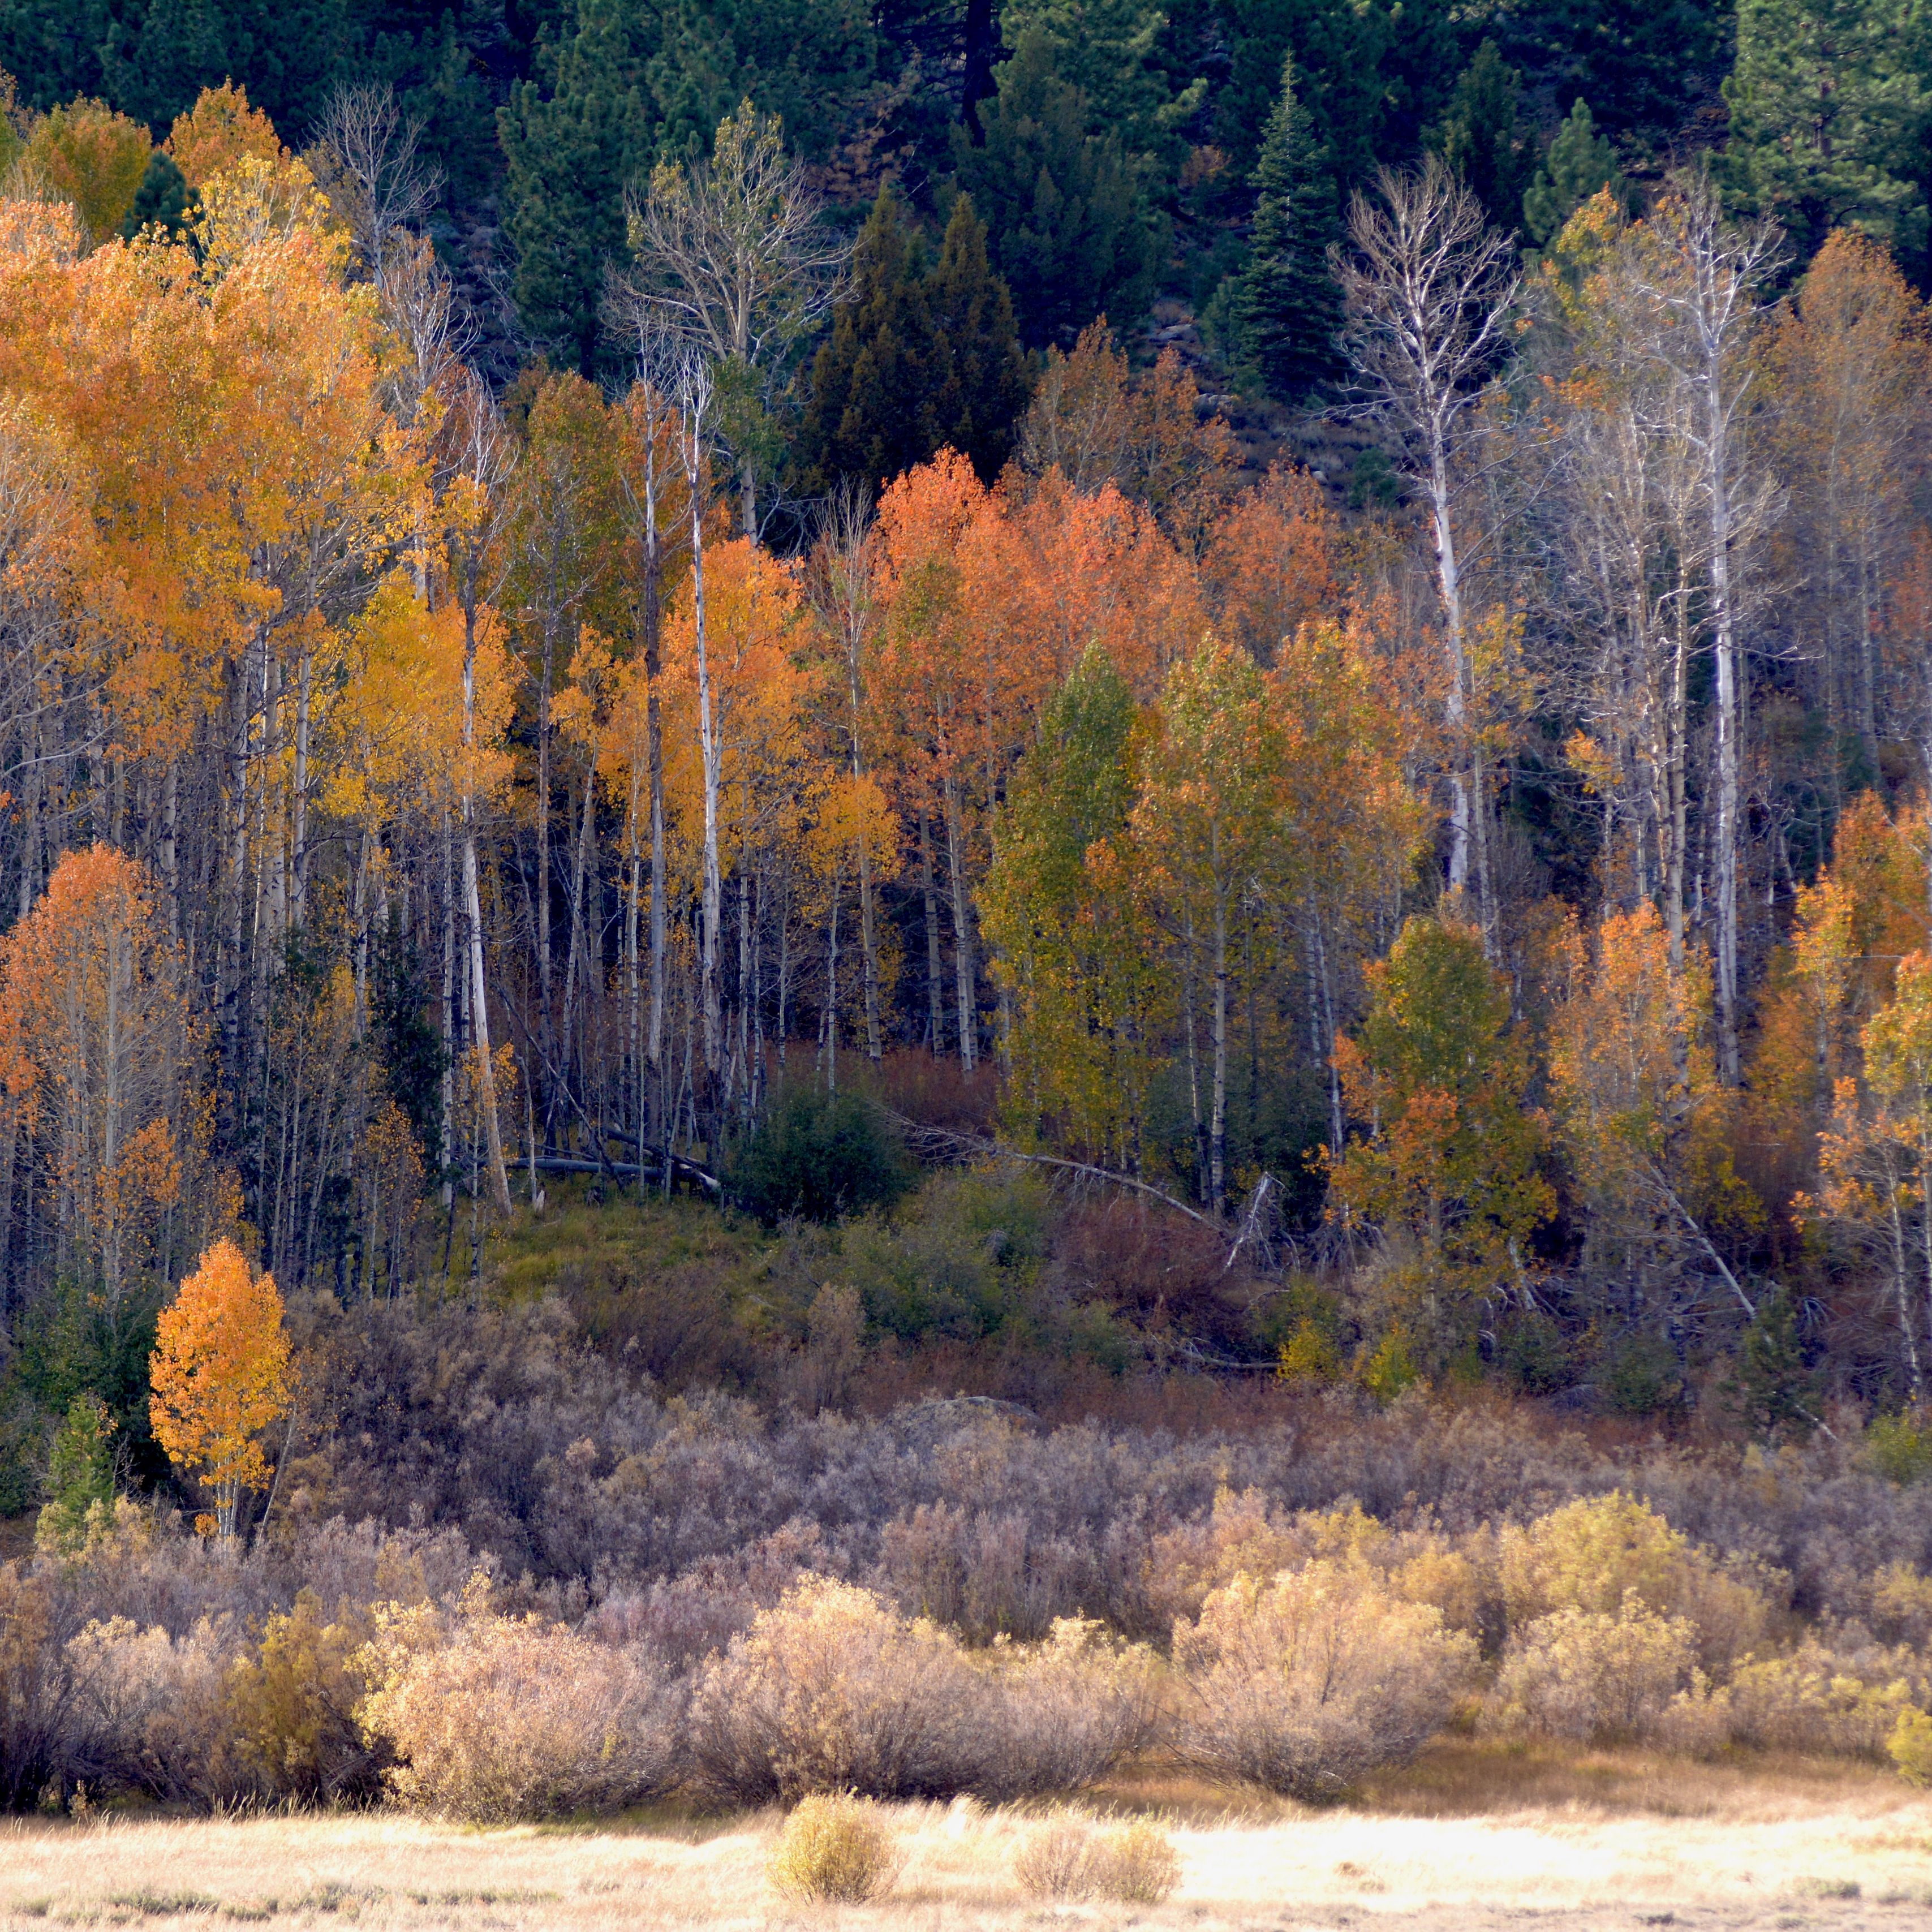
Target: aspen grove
(1498,911)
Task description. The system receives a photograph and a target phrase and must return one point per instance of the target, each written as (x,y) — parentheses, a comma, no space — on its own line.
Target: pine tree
(983,388)
(1071,233)
(1829,106)
(919,359)
(870,409)
(1579,163)
(1481,137)
(1289,306)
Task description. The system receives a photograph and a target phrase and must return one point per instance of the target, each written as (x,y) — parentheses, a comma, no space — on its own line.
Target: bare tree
(1429,288)
(478,457)
(1703,276)
(735,254)
(366,161)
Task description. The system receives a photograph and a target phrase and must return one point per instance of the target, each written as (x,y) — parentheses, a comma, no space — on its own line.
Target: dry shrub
(1901,1606)
(38,1689)
(833,1691)
(293,1705)
(513,1717)
(1068,1858)
(1054,1861)
(834,1846)
(1305,1685)
(1590,1676)
(154,1709)
(1137,1865)
(1593,1554)
(1068,1711)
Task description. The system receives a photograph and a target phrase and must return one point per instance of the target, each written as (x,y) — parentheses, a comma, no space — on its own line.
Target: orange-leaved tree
(92,988)
(220,1376)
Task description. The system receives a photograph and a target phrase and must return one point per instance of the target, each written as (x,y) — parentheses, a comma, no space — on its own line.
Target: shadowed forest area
(1071,860)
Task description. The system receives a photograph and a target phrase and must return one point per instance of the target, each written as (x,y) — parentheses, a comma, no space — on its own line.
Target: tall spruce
(1289,306)
(982,386)
(1073,234)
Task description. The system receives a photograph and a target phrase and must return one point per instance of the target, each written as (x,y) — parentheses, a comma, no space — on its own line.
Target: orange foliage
(220,1375)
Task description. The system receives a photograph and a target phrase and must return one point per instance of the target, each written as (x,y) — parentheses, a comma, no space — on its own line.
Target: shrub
(833,1691)
(514,1717)
(1069,1858)
(294,1703)
(1816,1702)
(834,1846)
(1068,1712)
(1910,1745)
(819,1156)
(1137,1865)
(1591,1555)
(38,1614)
(1055,1860)
(1305,1685)
(1587,1674)
(1899,1447)
(155,1711)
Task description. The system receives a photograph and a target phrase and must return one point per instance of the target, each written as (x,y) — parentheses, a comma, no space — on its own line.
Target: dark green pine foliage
(1580,163)
(571,140)
(1831,107)
(1288,305)
(162,200)
(867,414)
(919,358)
(1481,136)
(1644,65)
(982,385)
(1071,232)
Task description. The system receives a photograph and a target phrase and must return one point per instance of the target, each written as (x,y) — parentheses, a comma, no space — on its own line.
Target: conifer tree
(1071,233)
(1289,305)
(1829,104)
(983,385)
(921,357)
(1580,162)
(1481,137)
(869,411)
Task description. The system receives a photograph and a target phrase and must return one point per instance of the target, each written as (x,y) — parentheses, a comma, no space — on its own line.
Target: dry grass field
(1473,1836)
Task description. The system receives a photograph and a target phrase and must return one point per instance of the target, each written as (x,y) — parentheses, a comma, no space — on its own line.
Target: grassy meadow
(1473,1835)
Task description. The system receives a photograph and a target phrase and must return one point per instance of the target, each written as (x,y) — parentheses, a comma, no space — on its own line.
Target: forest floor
(1473,1836)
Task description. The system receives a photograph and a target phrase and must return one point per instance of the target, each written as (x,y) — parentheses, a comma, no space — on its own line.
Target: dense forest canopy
(1315,615)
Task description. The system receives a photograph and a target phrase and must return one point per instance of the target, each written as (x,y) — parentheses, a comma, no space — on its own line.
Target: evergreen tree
(80,1483)
(1071,234)
(1641,63)
(1580,163)
(869,413)
(570,141)
(1829,106)
(162,200)
(1771,1384)
(1289,306)
(1481,138)
(918,359)
(982,387)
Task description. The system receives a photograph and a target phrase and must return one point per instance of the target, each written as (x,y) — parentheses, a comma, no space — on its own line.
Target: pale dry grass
(1785,1846)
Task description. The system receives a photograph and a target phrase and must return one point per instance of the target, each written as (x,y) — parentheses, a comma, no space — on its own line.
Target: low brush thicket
(627,1595)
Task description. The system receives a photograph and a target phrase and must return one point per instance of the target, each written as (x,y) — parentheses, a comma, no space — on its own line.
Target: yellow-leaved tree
(220,1375)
